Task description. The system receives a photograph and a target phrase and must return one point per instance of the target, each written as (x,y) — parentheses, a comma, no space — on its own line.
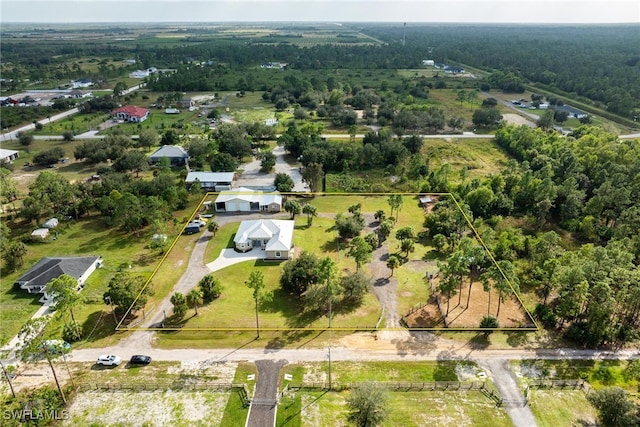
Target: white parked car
(109,360)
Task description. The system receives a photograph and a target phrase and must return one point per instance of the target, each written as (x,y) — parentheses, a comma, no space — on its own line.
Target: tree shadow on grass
(175,322)
(433,255)
(332,246)
(479,341)
(289,337)
(517,339)
(100,324)
(294,419)
(92,245)
(146,259)
(296,314)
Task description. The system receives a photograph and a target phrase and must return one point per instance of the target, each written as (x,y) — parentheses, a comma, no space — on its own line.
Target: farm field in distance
(461,259)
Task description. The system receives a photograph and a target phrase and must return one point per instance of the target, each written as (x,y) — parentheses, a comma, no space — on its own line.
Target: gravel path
(262,412)
(384,286)
(499,372)
(253,177)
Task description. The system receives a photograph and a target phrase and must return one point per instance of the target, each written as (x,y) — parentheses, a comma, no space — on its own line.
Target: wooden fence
(581,385)
(396,385)
(190,385)
(419,306)
(484,387)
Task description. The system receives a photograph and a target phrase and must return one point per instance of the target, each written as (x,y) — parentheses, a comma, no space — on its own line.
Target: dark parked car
(139,359)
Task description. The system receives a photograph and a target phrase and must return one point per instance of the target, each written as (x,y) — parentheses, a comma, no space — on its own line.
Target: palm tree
(311,212)
(407,245)
(393,262)
(194,299)
(213,227)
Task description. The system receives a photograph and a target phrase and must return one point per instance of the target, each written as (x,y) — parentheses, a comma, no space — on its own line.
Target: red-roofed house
(130,113)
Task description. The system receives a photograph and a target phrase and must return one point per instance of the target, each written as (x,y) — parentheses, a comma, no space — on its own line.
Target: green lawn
(348,372)
(599,373)
(81,238)
(234,309)
(560,408)
(87,237)
(404,409)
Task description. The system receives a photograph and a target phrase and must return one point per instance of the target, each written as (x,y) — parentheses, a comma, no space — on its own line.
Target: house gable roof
(49,268)
(247,195)
(5,154)
(132,111)
(170,151)
(210,176)
(279,233)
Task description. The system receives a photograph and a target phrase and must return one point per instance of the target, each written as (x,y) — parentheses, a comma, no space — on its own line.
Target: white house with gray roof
(177,155)
(273,236)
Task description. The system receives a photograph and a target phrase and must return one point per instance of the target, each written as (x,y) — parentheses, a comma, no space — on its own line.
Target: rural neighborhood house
(49,268)
(273,236)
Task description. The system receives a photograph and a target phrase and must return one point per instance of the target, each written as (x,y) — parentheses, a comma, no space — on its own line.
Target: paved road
(413,347)
(262,412)
(9,136)
(13,134)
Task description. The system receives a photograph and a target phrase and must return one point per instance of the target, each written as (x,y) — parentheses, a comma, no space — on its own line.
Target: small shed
(51,223)
(159,238)
(424,200)
(40,233)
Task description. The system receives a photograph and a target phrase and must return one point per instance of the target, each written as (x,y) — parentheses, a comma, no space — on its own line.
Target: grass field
(82,238)
(561,408)
(404,409)
(599,373)
(85,237)
(465,408)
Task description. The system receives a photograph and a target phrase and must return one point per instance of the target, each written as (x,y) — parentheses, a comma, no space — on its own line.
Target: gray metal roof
(49,268)
(172,151)
(210,176)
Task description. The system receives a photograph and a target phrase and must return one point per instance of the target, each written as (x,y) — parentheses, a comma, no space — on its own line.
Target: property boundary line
(121,327)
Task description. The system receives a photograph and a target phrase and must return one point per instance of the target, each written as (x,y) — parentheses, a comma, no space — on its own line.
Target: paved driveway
(229,257)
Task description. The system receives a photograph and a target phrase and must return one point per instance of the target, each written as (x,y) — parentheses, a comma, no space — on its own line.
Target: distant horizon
(560,12)
(408,23)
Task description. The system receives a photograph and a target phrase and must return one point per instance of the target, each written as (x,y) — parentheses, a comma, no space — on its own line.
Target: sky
(422,11)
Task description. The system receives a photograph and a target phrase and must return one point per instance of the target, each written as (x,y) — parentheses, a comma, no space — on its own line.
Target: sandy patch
(216,371)
(517,120)
(157,408)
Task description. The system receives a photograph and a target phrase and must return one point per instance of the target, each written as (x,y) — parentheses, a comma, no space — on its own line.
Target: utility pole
(404,35)
(329,367)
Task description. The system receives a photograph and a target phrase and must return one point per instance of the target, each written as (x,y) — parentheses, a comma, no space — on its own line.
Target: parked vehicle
(139,359)
(192,229)
(109,360)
